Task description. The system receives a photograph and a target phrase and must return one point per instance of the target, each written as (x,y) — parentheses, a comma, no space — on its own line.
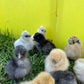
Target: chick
(73,40)
(79,69)
(25,40)
(64,77)
(19,66)
(56,60)
(42,78)
(74,48)
(44,45)
(42,30)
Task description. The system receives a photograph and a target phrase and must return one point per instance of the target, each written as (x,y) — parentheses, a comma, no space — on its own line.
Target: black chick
(19,66)
(44,45)
(64,77)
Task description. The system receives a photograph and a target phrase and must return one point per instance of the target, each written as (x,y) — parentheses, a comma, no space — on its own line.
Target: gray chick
(64,77)
(19,66)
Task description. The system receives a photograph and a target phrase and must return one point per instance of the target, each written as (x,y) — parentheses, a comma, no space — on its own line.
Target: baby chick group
(56,62)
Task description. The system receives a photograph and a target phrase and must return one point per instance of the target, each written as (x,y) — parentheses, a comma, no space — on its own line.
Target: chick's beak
(45,31)
(54,62)
(19,56)
(29,35)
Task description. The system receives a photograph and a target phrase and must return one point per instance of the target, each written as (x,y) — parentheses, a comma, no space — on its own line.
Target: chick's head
(39,37)
(79,61)
(73,40)
(44,78)
(25,35)
(20,52)
(56,55)
(42,30)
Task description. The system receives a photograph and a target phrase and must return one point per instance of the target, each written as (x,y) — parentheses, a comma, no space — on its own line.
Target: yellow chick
(42,78)
(56,60)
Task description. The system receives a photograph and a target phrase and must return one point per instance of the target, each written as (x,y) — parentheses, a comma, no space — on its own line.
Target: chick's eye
(22,54)
(73,42)
(42,30)
(16,55)
(77,41)
(38,37)
(27,36)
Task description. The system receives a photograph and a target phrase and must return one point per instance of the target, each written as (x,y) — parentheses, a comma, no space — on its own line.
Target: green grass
(6,52)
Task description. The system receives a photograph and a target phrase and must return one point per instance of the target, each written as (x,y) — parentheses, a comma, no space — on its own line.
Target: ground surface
(6,52)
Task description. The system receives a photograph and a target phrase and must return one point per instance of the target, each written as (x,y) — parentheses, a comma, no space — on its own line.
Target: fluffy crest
(25,33)
(73,40)
(56,55)
(42,29)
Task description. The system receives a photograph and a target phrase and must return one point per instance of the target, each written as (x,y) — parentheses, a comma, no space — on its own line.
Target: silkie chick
(56,60)
(19,66)
(79,69)
(44,45)
(64,77)
(74,48)
(41,30)
(25,40)
(42,78)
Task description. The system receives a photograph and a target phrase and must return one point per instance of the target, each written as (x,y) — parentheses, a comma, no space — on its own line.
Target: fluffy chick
(44,45)
(74,48)
(79,69)
(56,60)
(64,77)
(42,30)
(19,66)
(25,40)
(73,40)
(42,78)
